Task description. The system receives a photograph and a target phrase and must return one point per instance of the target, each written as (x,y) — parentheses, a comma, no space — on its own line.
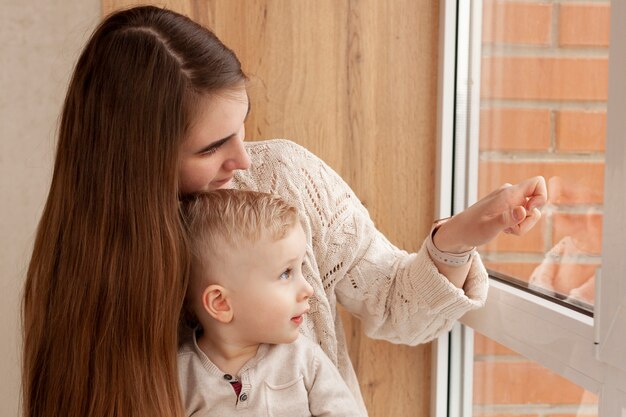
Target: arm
(510,209)
(399,297)
(408,298)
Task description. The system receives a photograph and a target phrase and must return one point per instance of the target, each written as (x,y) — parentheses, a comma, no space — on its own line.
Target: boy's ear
(216,303)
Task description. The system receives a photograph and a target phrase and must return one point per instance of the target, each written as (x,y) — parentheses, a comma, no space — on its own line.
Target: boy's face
(269,294)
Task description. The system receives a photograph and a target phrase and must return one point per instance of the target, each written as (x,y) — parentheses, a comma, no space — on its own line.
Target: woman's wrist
(446,237)
(454,266)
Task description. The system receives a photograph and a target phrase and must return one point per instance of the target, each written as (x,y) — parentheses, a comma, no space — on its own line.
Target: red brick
(531,242)
(524,383)
(540,78)
(580,183)
(584,229)
(580,131)
(514,129)
(517,270)
(509,22)
(569,182)
(485,346)
(570,279)
(584,25)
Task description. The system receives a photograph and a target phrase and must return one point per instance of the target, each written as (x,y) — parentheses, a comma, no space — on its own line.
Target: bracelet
(446,258)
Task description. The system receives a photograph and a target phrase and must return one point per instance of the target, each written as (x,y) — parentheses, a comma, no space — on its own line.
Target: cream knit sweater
(287,380)
(399,297)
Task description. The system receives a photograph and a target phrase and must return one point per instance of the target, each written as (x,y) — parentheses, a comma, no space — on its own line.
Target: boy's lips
(298,319)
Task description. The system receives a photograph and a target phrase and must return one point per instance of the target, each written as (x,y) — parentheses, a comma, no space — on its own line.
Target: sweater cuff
(441,295)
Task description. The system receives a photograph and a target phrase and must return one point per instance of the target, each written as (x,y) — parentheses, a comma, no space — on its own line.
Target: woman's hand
(510,209)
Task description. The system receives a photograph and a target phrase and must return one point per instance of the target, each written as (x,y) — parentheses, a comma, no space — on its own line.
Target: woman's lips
(221,183)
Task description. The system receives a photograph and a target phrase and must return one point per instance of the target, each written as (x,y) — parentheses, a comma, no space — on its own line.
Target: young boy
(248,296)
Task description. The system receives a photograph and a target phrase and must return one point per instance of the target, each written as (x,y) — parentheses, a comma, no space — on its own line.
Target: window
(543,96)
(527,88)
(507,383)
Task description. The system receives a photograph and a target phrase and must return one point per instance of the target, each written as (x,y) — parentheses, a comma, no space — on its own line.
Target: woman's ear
(216,302)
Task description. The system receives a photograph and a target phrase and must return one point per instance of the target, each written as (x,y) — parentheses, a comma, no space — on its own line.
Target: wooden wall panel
(355,82)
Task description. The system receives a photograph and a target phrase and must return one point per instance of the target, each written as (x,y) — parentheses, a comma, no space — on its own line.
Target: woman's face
(214,149)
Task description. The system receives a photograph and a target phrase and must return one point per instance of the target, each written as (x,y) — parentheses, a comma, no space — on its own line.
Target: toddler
(248,298)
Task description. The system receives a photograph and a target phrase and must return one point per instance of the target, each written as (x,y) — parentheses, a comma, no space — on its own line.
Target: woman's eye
(215,147)
(211,151)
(285,275)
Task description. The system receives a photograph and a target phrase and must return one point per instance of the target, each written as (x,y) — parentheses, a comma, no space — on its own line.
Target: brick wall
(543,112)
(508,385)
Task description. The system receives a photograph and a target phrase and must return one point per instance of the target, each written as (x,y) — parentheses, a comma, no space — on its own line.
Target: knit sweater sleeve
(398,296)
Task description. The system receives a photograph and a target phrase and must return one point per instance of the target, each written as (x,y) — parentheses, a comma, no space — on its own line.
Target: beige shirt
(399,297)
(289,380)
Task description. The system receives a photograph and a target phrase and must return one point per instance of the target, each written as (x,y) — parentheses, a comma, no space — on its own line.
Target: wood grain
(354,81)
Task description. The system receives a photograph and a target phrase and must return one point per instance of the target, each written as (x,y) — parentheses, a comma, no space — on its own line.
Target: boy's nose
(307,290)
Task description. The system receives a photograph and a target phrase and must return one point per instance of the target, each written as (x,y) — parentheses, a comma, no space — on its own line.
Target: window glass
(509,385)
(544,72)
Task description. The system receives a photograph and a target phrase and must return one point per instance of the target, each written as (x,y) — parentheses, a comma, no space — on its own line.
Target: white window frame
(589,352)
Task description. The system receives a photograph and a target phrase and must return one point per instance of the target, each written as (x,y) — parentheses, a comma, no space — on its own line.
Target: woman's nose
(238,158)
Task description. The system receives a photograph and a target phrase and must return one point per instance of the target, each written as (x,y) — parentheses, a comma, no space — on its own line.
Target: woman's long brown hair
(108,273)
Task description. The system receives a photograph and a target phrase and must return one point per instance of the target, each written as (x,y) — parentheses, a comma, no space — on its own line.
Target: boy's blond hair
(233,217)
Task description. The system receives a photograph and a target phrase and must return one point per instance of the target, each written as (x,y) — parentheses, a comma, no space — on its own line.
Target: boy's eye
(285,275)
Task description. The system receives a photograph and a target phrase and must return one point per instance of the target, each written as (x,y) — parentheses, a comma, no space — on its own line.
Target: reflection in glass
(543,92)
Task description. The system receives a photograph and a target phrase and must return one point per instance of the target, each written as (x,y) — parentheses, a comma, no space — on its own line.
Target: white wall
(39,43)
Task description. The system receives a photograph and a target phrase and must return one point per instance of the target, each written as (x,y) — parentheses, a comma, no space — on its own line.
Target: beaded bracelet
(447,258)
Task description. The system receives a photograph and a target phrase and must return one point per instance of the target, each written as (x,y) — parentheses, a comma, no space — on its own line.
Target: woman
(156,109)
